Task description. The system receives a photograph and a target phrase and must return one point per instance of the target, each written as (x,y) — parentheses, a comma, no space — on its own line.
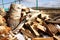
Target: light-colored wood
(49,38)
(56,37)
(42,28)
(35,32)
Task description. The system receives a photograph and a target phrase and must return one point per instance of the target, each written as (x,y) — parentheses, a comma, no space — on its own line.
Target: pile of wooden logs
(33,24)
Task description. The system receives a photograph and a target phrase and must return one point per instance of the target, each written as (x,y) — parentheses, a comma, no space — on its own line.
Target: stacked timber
(32,24)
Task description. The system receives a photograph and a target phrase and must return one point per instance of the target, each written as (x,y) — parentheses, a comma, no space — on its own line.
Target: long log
(49,38)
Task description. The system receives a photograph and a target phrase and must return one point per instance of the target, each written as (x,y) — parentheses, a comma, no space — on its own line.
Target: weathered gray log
(55,20)
(14,15)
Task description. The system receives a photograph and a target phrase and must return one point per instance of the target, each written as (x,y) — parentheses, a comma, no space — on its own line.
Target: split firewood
(34,31)
(4,29)
(40,25)
(27,33)
(32,28)
(32,20)
(55,20)
(2,12)
(37,25)
(29,22)
(7,38)
(39,21)
(33,16)
(45,16)
(10,37)
(4,32)
(42,28)
(52,28)
(23,22)
(2,21)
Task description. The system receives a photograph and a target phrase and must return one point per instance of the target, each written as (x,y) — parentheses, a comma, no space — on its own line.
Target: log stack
(33,24)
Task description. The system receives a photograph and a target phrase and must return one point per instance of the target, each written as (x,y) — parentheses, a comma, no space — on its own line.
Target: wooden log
(35,31)
(27,33)
(4,29)
(32,29)
(45,16)
(14,15)
(42,28)
(39,21)
(49,38)
(19,27)
(52,28)
(33,16)
(51,21)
